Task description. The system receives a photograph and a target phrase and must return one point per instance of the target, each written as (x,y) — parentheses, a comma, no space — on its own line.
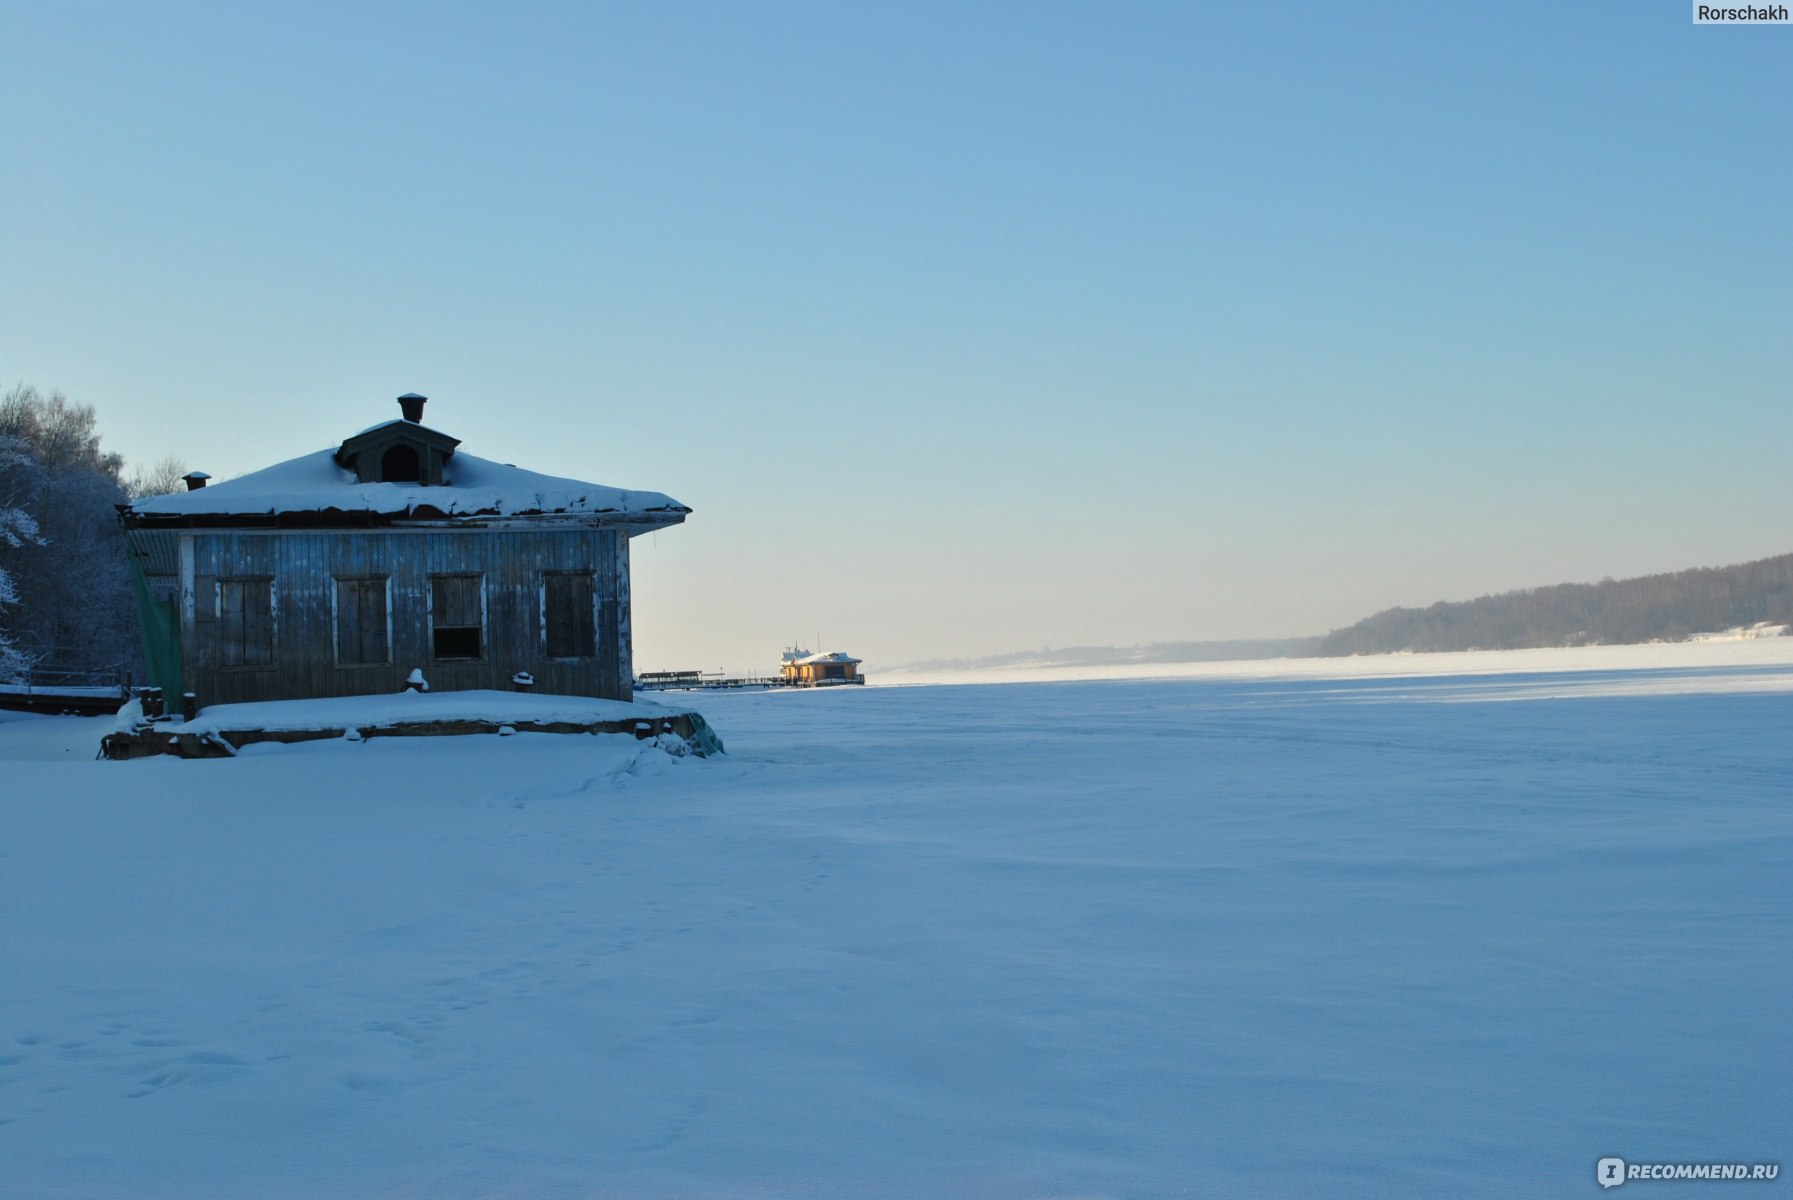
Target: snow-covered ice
(1705,662)
(1241,936)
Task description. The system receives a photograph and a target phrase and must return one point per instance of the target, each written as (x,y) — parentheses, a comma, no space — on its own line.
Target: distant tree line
(65,588)
(1669,607)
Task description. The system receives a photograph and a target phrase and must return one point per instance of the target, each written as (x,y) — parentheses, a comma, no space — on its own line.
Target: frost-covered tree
(59,435)
(18,529)
(69,580)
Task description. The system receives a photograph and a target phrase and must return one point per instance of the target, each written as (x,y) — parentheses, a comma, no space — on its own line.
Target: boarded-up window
(567,616)
(246,620)
(360,621)
(456,616)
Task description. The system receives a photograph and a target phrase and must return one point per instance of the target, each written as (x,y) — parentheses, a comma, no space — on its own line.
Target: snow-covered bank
(1247,937)
(411,707)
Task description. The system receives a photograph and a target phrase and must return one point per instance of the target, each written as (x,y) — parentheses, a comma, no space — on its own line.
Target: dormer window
(400,464)
(401,451)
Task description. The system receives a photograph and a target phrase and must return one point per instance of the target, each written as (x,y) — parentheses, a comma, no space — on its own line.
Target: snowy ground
(1373,936)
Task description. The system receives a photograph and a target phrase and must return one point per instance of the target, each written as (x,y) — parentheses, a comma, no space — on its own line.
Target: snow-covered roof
(414,428)
(833,656)
(471,487)
(377,425)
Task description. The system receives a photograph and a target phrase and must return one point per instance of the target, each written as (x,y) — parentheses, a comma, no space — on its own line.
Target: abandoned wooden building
(343,571)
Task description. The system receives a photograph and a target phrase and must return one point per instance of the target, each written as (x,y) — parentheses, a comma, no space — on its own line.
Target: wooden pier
(799,668)
(697,681)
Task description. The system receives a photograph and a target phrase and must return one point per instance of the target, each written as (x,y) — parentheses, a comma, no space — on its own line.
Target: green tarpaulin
(160,622)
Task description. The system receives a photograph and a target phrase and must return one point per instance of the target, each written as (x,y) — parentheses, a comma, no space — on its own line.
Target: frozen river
(1251,935)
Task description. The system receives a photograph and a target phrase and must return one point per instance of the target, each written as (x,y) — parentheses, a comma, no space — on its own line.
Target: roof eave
(632,523)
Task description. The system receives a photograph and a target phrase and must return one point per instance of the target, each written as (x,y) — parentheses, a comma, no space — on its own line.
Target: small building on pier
(799,668)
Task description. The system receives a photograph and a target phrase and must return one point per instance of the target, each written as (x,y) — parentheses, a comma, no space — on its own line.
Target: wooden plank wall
(302,568)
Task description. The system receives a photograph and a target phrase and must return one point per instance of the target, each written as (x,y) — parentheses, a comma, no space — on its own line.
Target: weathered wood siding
(298,579)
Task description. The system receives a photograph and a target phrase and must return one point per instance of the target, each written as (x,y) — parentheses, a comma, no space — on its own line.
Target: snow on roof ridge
(830,656)
(393,421)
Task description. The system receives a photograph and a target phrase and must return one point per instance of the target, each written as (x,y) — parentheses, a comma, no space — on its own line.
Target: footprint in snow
(200,1067)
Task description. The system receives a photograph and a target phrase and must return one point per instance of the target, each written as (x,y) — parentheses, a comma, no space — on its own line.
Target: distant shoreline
(1231,650)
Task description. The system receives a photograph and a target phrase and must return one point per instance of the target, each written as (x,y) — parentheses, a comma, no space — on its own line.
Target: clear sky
(964,328)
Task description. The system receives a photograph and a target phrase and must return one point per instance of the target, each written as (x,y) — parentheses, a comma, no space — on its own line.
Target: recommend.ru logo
(1611,1172)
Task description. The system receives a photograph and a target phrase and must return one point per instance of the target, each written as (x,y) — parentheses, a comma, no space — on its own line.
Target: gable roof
(314,489)
(375,435)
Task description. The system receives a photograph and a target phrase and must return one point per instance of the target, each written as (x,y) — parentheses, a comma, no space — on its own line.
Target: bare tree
(165,478)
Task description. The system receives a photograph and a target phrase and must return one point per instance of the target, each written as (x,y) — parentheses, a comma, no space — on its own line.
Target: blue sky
(963,328)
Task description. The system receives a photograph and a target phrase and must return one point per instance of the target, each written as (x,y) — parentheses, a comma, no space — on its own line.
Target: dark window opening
(457,643)
(401,465)
(457,615)
(246,612)
(361,622)
(568,622)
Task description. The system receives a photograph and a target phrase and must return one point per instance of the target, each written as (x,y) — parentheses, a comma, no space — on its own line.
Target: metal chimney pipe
(411,404)
(195,480)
